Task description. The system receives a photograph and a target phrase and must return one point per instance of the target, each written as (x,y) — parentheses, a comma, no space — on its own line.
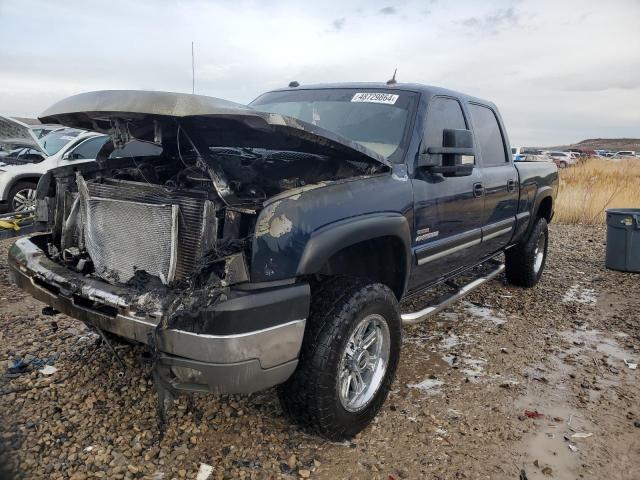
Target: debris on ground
(581,435)
(204,472)
(48,370)
(533,414)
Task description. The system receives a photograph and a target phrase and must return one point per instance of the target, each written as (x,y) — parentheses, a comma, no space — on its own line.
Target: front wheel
(525,262)
(348,360)
(22,197)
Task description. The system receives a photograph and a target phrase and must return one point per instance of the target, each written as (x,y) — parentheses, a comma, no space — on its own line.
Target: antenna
(393,79)
(193,71)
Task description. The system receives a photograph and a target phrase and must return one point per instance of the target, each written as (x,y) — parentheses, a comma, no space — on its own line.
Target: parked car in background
(67,146)
(562,159)
(21,169)
(518,153)
(624,154)
(43,130)
(536,158)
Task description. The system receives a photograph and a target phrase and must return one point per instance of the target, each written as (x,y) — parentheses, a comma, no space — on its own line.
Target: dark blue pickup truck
(270,244)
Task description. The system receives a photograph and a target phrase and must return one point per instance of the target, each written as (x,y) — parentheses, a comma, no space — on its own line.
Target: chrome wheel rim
(539,253)
(24,200)
(364,363)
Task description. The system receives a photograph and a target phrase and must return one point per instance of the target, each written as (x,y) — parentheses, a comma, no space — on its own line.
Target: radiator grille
(122,237)
(196,223)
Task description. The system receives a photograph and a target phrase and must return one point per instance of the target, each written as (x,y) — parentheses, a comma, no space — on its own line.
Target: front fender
(296,234)
(329,240)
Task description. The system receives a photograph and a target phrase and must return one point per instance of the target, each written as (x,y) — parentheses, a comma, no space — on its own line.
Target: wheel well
(23,179)
(381,259)
(545,209)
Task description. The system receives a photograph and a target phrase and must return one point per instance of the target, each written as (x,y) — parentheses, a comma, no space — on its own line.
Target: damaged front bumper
(251,340)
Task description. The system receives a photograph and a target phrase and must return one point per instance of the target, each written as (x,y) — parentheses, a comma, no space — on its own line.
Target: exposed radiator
(143,223)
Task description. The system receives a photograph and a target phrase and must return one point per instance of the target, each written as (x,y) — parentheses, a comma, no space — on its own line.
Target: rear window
(489,135)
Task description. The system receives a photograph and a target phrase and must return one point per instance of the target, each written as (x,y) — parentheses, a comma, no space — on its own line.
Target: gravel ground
(457,410)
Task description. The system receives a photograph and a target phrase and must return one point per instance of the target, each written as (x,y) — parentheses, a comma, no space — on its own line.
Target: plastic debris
(89,448)
(533,414)
(19,366)
(573,448)
(631,365)
(48,370)
(581,435)
(204,472)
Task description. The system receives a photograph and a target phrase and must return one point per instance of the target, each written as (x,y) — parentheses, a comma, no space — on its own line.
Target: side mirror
(455,158)
(67,156)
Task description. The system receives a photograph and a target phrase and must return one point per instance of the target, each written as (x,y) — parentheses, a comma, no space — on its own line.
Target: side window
(489,136)
(443,113)
(88,150)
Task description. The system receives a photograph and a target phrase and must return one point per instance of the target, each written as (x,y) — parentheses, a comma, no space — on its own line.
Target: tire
(314,396)
(562,164)
(525,262)
(21,197)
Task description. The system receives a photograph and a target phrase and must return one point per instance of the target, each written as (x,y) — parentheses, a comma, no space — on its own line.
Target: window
(379,120)
(88,149)
(489,136)
(444,113)
(54,141)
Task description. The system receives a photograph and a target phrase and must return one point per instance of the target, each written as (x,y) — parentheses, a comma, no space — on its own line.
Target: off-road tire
(15,189)
(520,260)
(310,396)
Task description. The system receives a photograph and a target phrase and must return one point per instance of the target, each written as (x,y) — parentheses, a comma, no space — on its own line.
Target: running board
(421,315)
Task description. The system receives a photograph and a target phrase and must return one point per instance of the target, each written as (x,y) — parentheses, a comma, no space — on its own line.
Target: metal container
(623,239)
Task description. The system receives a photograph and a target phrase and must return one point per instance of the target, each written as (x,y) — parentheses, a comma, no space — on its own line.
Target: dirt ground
(562,352)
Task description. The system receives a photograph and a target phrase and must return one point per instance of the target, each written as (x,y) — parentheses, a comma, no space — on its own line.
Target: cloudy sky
(559,70)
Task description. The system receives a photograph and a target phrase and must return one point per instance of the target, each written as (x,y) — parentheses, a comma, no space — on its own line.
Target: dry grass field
(594,185)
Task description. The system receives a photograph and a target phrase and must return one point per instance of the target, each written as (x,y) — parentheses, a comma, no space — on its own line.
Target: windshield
(53,142)
(378,119)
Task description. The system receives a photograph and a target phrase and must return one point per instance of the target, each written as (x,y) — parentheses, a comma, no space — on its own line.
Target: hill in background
(612,144)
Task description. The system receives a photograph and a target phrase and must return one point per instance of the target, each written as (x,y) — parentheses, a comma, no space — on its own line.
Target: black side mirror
(455,158)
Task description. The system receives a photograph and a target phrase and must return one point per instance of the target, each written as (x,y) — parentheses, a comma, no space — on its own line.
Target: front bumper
(252,339)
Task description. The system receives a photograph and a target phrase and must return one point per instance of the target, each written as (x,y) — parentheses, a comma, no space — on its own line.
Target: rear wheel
(525,262)
(22,197)
(562,164)
(348,359)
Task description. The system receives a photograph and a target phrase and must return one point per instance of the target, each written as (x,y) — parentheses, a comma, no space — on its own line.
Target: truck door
(447,210)
(499,179)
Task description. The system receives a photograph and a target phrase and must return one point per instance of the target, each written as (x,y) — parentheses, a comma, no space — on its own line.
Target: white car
(26,159)
(562,159)
(625,154)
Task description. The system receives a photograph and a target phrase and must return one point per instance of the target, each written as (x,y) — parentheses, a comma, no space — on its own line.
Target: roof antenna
(193,72)
(393,79)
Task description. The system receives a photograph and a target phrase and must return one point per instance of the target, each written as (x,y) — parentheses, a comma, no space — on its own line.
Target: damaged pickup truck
(271,244)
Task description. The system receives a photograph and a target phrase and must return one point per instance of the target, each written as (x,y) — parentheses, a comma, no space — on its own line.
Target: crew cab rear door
(499,178)
(448,210)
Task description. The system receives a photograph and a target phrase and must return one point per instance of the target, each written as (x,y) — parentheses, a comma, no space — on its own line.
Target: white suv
(22,166)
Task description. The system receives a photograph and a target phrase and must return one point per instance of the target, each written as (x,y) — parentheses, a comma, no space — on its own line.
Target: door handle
(478,189)
(511,185)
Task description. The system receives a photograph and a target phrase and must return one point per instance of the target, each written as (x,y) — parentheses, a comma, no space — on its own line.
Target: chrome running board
(421,315)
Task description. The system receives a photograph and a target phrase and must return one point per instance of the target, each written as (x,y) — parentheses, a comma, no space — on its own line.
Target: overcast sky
(560,71)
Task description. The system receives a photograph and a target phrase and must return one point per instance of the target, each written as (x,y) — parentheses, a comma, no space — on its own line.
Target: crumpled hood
(225,123)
